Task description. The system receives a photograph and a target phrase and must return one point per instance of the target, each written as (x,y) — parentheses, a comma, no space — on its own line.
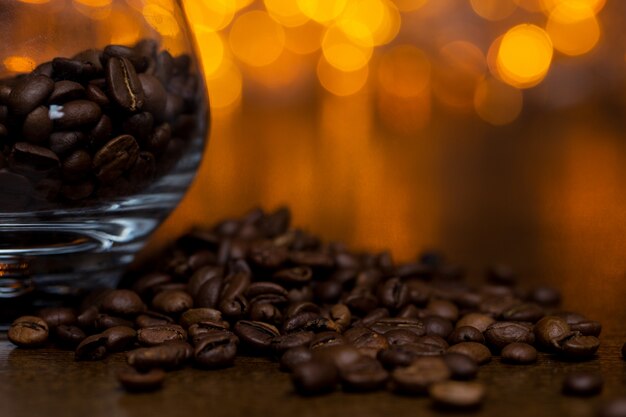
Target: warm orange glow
(341,83)
(497,103)
(458,69)
(410,5)
(161,20)
(492,57)
(286,12)
(531,5)
(524,56)
(212,14)
(304,39)
(347,47)
(92,10)
(212,50)
(225,86)
(122,28)
(284,72)
(256,39)
(242,4)
(573,30)
(94,3)
(404,116)
(594,5)
(19,63)
(380,18)
(404,71)
(323,11)
(35,1)
(493,9)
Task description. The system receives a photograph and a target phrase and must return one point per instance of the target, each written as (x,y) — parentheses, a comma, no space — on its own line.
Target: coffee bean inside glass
(103,120)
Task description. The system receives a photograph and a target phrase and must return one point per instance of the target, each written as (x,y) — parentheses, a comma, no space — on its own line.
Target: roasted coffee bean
(65,91)
(400,337)
(527,312)
(64,68)
(548,330)
(119,338)
(462,367)
(583,384)
(502,333)
(37,126)
(87,318)
(56,316)
(28,332)
(172,302)
(34,157)
(477,320)
(166,356)
(477,351)
(92,348)
(443,308)
(519,353)
(383,325)
(28,93)
(257,335)
(294,357)
(76,165)
(124,86)
(68,335)
(115,158)
(365,374)
(328,291)
(123,303)
(135,381)
(155,96)
(95,94)
(202,276)
(157,335)
(575,346)
(120,51)
(284,342)
(466,334)
(393,294)
(367,341)
(587,328)
(326,339)
(196,315)
(546,296)
(78,191)
(341,315)
(268,313)
(417,377)
(314,377)
(62,143)
(216,350)
(152,318)
(438,326)
(105,321)
(77,114)
(501,274)
(160,139)
(457,395)
(234,308)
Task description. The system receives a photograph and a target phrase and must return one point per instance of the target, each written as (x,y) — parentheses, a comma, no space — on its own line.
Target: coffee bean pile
(331,317)
(101,124)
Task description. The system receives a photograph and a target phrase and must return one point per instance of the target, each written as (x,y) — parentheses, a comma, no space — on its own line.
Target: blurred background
(491,129)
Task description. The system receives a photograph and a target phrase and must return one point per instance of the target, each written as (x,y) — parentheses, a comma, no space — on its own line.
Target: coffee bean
(216,350)
(69,336)
(383,325)
(367,341)
(119,338)
(257,335)
(546,296)
(314,377)
(527,312)
(549,329)
(582,384)
(281,344)
(166,356)
(400,337)
(155,96)
(152,318)
(139,126)
(393,294)
(577,347)
(76,165)
(294,357)
(365,374)
(501,274)
(28,332)
(157,335)
(502,333)
(114,158)
(90,58)
(62,143)
(92,348)
(587,328)
(466,334)
(124,86)
(444,309)
(172,302)
(105,321)
(35,157)
(462,367)
(457,395)
(326,339)
(28,93)
(478,352)
(65,91)
(477,320)
(417,377)
(56,316)
(135,381)
(37,126)
(519,353)
(77,114)
(438,326)
(196,315)
(78,191)
(123,302)
(140,63)
(95,94)
(64,68)
(87,318)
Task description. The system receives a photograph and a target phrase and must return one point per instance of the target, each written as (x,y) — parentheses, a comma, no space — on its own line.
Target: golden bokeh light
(459,67)
(524,56)
(404,71)
(19,64)
(323,11)
(492,57)
(212,51)
(573,30)
(531,5)
(493,9)
(161,19)
(594,5)
(347,47)
(410,5)
(256,39)
(341,83)
(122,28)
(496,102)
(380,18)
(304,39)
(92,9)
(94,3)
(225,86)
(284,72)
(213,14)
(242,4)
(286,12)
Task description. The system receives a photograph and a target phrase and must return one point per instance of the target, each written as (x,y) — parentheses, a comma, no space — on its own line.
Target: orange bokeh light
(404,71)
(573,30)
(213,14)
(341,83)
(304,39)
(19,63)
(347,47)
(256,39)
(524,56)
(323,11)
(496,102)
(493,9)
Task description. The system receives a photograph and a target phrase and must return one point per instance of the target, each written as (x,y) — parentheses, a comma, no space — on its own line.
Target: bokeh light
(496,102)
(213,14)
(347,47)
(93,9)
(493,9)
(256,39)
(212,51)
(404,71)
(341,83)
(574,30)
(524,56)
(595,5)
(18,63)
(225,86)
(410,5)
(380,18)
(286,12)
(323,11)
(304,39)
(284,72)
(161,19)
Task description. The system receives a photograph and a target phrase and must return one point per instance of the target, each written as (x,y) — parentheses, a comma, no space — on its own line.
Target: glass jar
(103,120)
